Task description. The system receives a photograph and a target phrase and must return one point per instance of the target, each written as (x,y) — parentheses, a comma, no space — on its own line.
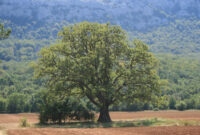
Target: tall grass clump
(24,123)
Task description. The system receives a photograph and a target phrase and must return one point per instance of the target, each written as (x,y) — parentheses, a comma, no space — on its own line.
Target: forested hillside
(171,30)
(130,14)
(179,37)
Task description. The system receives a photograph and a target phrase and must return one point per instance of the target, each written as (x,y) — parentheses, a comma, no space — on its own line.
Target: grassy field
(124,123)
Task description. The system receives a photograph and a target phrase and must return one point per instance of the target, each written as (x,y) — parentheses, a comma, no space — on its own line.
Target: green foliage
(155,109)
(24,123)
(181,106)
(97,61)
(4,34)
(26,41)
(191,103)
(179,37)
(163,104)
(2,105)
(17,77)
(58,109)
(149,122)
(180,67)
(182,73)
(16,103)
(21,49)
(172,103)
(135,106)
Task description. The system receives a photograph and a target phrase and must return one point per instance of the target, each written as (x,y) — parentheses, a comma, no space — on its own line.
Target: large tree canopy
(97,61)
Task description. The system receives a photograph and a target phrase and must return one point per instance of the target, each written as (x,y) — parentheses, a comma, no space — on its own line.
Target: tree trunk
(104,115)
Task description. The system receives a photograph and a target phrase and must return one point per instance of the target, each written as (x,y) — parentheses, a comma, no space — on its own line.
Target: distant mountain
(130,14)
(167,26)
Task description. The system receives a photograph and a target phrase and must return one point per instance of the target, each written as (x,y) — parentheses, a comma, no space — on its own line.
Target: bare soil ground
(15,118)
(10,123)
(195,130)
(178,115)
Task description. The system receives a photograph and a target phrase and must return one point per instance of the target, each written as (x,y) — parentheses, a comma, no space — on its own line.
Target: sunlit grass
(188,123)
(130,123)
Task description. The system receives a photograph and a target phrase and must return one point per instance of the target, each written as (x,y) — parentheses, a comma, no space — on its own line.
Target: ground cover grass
(126,123)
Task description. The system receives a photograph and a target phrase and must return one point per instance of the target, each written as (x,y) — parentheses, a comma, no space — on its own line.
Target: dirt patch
(195,130)
(15,118)
(12,121)
(178,115)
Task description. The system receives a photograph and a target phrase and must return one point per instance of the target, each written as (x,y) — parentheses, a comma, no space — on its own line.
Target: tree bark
(104,115)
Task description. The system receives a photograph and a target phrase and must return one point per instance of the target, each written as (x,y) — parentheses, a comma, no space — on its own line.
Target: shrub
(156,109)
(82,113)
(191,104)
(56,110)
(24,123)
(181,106)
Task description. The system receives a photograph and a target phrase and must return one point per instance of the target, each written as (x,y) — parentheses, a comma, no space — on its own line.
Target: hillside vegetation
(171,28)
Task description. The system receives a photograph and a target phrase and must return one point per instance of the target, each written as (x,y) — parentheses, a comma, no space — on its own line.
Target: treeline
(165,103)
(18,103)
(182,90)
(19,91)
(182,73)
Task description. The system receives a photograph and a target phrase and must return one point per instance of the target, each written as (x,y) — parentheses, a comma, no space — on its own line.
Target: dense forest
(176,46)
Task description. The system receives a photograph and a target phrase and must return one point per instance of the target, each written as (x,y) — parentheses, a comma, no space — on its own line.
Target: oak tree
(99,62)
